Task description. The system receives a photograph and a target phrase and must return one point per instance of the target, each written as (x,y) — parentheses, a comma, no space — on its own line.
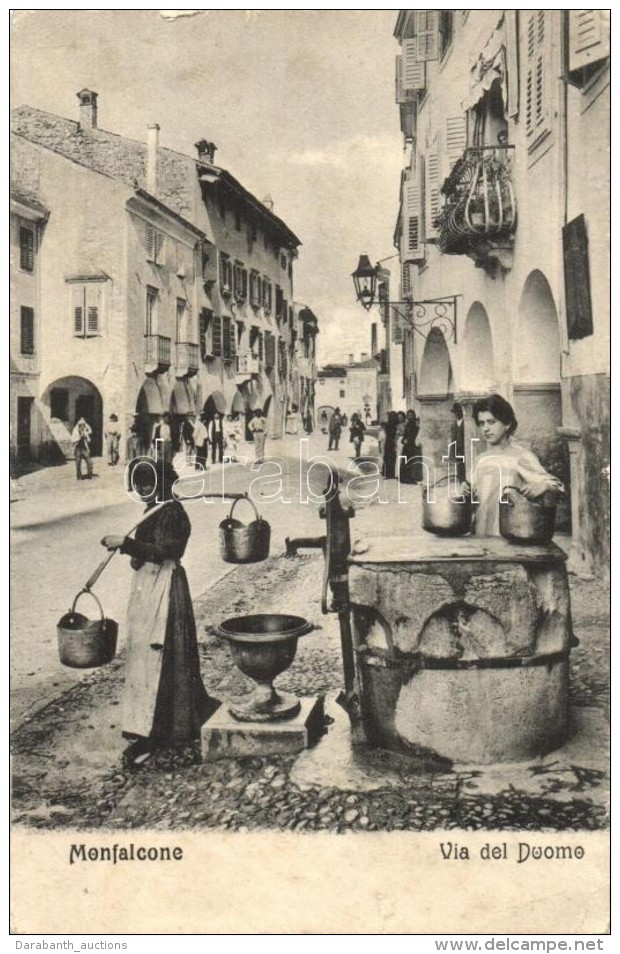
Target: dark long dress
(411,470)
(389,452)
(182,704)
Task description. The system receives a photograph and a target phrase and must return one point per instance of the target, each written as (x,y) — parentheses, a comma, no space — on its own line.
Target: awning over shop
(150,399)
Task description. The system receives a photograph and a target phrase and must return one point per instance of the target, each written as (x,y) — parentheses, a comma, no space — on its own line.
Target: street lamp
(365,281)
(425,317)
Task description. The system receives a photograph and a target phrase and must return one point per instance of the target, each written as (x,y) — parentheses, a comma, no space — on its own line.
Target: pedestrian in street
(165,702)
(216,438)
(258,427)
(324,422)
(335,430)
(162,439)
(81,447)
(410,467)
(134,443)
(357,431)
(308,422)
(505,464)
(187,436)
(113,440)
(457,441)
(201,444)
(231,438)
(389,448)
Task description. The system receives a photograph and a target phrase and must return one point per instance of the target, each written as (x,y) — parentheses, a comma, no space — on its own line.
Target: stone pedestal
(462,646)
(223,736)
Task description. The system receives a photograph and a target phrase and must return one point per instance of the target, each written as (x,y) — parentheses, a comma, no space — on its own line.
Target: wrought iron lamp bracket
(432,314)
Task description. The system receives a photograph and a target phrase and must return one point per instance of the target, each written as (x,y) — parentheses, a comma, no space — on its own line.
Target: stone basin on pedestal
(462,646)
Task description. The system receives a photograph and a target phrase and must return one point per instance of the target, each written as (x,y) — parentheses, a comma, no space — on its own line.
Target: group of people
(397,439)
(165,701)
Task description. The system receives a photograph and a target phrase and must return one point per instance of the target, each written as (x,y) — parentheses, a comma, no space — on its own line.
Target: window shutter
(402,95)
(408,118)
(431,194)
(405,280)
(588,37)
(398,332)
(577,279)
(27,330)
(536,108)
(26,249)
(217,337)
(204,321)
(427,35)
(232,339)
(150,243)
(456,139)
(77,309)
(93,309)
(413,72)
(414,250)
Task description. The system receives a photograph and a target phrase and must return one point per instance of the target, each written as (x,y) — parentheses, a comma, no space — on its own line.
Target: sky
(300,104)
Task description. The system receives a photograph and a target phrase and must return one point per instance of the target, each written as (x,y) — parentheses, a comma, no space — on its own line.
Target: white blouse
(509,466)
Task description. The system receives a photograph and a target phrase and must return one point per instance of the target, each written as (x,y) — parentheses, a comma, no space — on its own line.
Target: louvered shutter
(431,194)
(203,322)
(536,96)
(150,243)
(217,337)
(405,280)
(77,309)
(588,37)
(577,279)
(26,330)
(402,95)
(427,35)
(26,249)
(413,247)
(232,339)
(413,72)
(396,323)
(159,246)
(456,139)
(93,296)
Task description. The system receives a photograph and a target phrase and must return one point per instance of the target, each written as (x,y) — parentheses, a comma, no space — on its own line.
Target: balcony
(187,359)
(247,364)
(479,215)
(156,354)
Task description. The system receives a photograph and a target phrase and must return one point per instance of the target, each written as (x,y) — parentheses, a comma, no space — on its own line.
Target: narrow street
(67,744)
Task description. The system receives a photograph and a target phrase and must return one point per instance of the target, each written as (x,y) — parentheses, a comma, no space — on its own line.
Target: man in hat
(113,440)
(201,443)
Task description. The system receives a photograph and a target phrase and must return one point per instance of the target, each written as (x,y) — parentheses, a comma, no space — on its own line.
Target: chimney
(373,338)
(351,358)
(206,151)
(268,202)
(364,356)
(152,150)
(88,109)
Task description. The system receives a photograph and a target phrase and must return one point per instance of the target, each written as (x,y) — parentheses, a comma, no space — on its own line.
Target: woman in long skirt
(165,702)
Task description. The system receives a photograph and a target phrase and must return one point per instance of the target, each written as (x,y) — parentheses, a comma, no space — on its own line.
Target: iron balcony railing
(157,351)
(479,201)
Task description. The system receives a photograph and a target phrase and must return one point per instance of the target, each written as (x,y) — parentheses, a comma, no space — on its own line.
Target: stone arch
(215,403)
(68,399)
(537,395)
(435,395)
(477,367)
(537,344)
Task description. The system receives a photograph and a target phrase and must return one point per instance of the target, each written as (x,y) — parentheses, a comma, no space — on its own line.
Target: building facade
(162,284)
(505,116)
(352,387)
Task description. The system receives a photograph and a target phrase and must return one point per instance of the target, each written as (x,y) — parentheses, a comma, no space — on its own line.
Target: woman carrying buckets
(165,702)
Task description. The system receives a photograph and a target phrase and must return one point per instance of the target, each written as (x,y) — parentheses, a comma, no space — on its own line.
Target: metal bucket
(525,521)
(244,543)
(84,643)
(445,515)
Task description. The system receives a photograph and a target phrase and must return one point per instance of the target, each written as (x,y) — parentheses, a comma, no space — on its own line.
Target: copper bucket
(84,643)
(244,543)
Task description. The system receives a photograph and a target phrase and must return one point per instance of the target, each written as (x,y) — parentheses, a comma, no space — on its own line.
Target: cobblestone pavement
(67,768)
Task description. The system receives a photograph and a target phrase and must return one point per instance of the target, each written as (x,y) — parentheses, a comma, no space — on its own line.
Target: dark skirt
(183,705)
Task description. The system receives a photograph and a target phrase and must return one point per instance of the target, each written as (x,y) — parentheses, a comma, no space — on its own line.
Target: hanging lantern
(365,281)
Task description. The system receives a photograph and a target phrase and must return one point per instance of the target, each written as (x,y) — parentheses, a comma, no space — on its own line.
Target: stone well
(462,646)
